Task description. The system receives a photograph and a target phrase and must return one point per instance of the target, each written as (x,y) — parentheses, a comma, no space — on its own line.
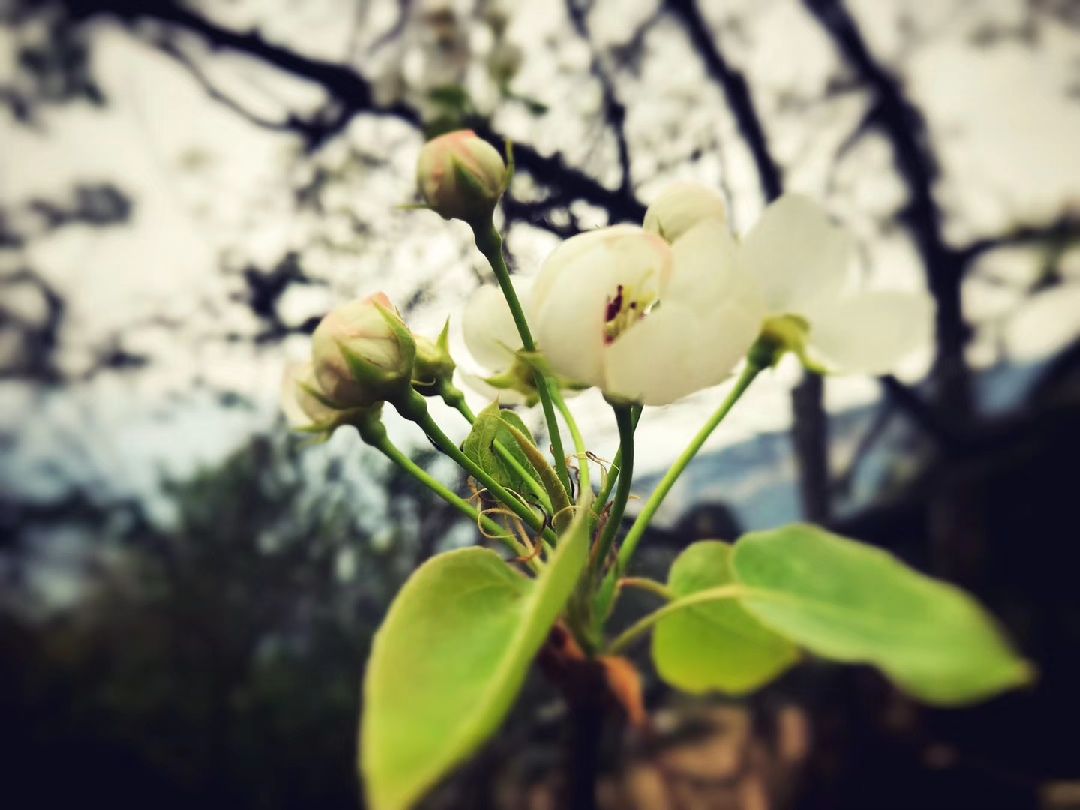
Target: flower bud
(681,207)
(434,365)
(301,401)
(461,176)
(363,353)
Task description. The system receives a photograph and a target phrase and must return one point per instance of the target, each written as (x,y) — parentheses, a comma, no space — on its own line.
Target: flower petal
(797,255)
(645,364)
(707,273)
(567,253)
(569,322)
(491,336)
(871,332)
(569,304)
(681,206)
(676,351)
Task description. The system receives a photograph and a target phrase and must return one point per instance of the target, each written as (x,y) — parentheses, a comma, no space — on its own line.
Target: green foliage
(451,657)
(495,448)
(714,645)
(849,602)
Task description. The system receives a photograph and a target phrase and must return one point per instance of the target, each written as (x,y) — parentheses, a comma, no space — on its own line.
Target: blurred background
(188,593)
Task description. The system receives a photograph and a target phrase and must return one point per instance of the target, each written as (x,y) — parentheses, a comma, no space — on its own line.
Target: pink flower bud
(461,176)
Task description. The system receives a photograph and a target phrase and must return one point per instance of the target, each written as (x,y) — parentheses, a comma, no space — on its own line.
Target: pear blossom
(493,341)
(488,327)
(647,322)
(801,262)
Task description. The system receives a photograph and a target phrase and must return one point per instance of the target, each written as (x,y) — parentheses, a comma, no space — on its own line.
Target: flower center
(624,309)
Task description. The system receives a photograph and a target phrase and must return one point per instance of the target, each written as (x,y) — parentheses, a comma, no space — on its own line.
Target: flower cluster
(646,314)
(651,314)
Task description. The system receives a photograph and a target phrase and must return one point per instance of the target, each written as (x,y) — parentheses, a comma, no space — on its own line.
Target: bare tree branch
(736,91)
(1063,230)
(614,110)
(902,123)
(810,434)
(352,94)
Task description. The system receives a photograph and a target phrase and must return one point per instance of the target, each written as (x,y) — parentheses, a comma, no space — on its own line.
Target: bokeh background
(189,593)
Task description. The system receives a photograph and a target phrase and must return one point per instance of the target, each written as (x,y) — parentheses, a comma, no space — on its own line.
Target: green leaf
(450,658)
(508,463)
(714,645)
(558,500)
(850,602)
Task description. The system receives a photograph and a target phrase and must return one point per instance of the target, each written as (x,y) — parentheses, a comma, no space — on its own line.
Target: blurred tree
(219,658)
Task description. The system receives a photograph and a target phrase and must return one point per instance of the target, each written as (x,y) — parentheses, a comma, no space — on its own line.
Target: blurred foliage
(220,656)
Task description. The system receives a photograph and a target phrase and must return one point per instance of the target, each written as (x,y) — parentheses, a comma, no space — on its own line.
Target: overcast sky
(213,193)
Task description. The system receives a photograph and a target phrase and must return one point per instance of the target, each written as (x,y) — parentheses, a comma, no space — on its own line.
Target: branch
(614,110)
(353,93)
(929,418)
(736,91)
(906,130)
(1062,231)
(287,124)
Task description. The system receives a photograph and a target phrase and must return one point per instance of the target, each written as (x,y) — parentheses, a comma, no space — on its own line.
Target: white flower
(801,262)
(491,336)
(644,321)
(493,341)
(680,207)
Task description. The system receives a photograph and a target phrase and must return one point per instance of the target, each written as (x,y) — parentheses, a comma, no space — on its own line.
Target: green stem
(625,420)
(490,244)
(580,450)
(415,409)
(455,399)
(650,585)
(616,466)
(375,435)
(645,623)
(641,523)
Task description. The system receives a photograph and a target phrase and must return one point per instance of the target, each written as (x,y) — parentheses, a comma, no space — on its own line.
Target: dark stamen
(614,306)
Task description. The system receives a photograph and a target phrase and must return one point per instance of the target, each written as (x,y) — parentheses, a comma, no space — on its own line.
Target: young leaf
(449,660)
(851,602)
(508,464)
(558,499)
(714,645)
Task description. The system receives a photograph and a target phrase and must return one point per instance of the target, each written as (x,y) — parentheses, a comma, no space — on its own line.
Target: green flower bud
(363,353)
(461,176)
(434,366)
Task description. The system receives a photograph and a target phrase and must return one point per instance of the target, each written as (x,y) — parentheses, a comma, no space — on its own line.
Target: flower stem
(651,585)
(645,623)
(641,523)
(616,466)
(625,420)
(375,435)
(455,399)
(490,244)
(580,450)
(415,408)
